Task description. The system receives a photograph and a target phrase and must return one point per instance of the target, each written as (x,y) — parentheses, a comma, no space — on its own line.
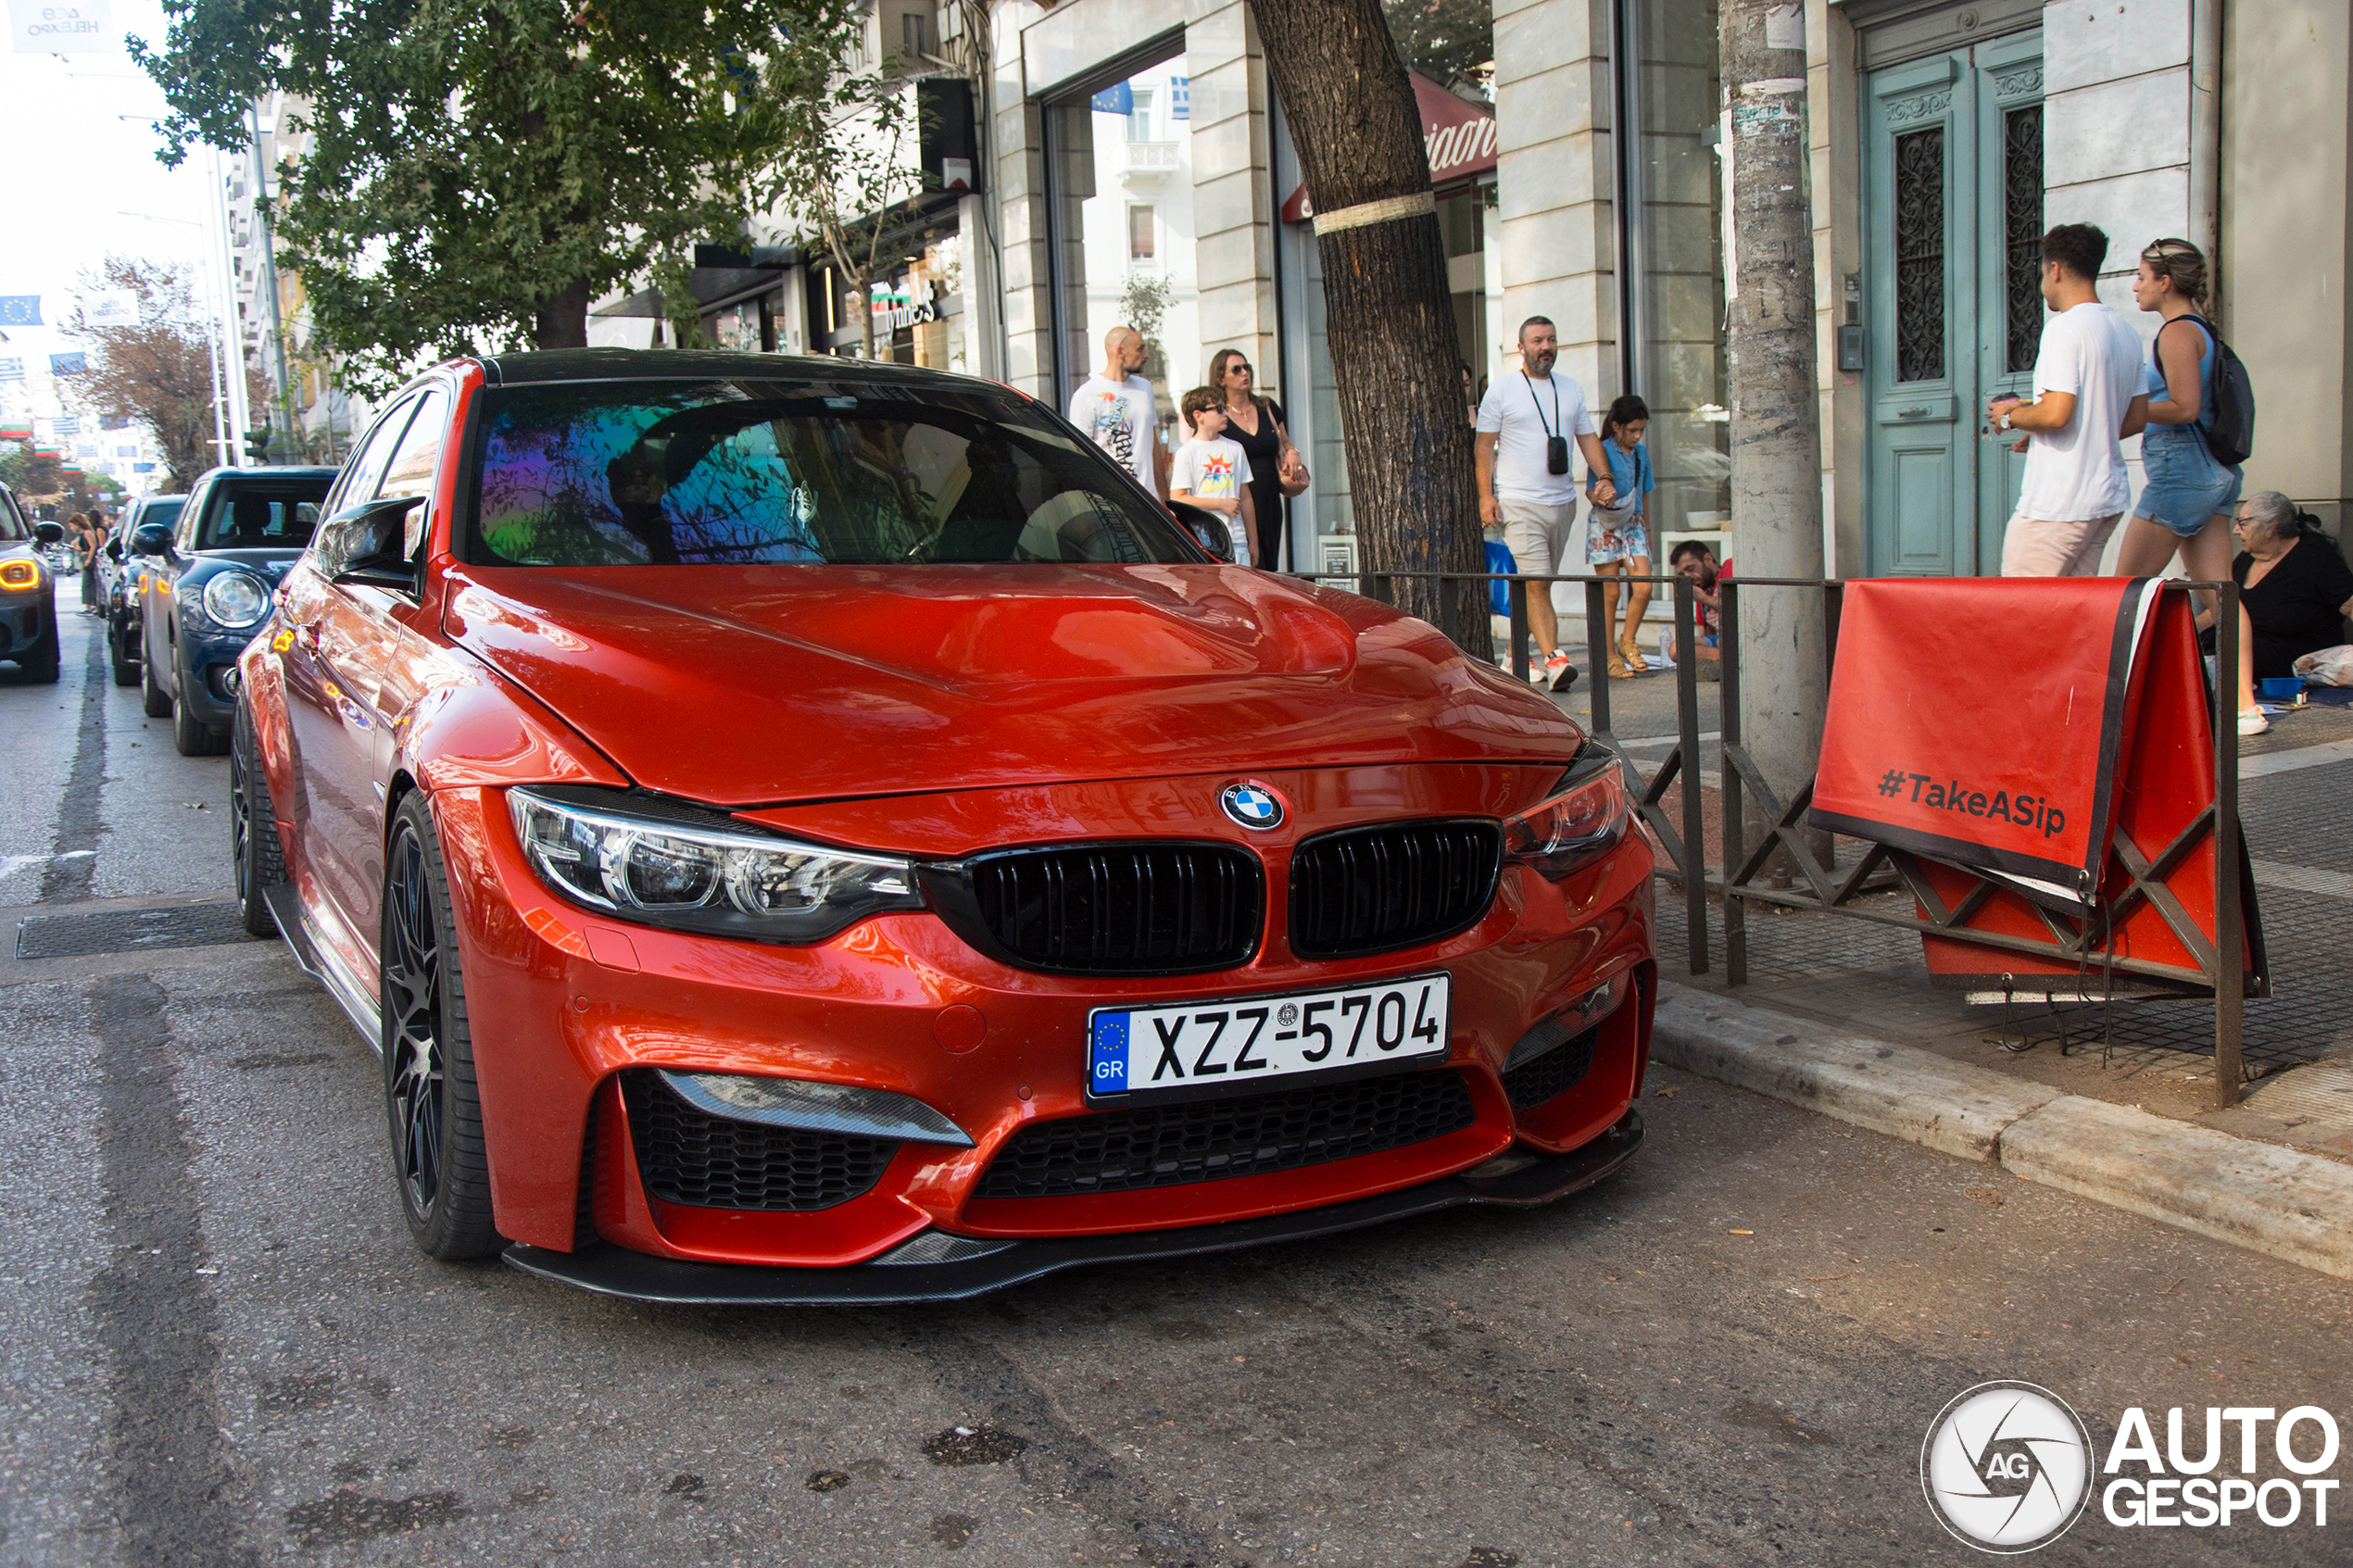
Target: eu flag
(19,310)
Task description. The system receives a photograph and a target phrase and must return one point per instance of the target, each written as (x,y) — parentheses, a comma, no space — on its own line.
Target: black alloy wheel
(253,828)
(439,1161)
(118,655)
(154,700)
(43,664)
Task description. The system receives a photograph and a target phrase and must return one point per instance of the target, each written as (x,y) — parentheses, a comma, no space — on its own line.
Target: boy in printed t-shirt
(1212,471)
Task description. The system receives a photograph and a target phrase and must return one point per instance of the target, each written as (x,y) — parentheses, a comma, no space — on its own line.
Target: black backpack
(2230,436)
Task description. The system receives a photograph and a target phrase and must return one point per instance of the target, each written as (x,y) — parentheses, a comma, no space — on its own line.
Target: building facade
(1130,156)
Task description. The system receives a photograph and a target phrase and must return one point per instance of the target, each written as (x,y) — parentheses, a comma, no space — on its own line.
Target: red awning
(1460,135)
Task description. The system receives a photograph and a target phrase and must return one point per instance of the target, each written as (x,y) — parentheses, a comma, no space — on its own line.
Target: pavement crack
(158,1324)
(1061,1461)
(73,856)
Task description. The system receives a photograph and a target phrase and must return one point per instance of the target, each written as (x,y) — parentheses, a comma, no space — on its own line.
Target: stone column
(1233,191)
(1555,180)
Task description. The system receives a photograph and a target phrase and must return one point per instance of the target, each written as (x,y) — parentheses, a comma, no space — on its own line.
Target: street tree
(32,473)
(1776,429)
(480,170)
(1444,39)
(1395,358)
(843,158)
(159,373)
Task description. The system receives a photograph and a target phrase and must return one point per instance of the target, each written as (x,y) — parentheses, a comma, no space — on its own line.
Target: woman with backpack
(2185,506)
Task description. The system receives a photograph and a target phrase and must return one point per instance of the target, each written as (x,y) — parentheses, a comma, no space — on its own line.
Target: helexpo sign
(2007,1467)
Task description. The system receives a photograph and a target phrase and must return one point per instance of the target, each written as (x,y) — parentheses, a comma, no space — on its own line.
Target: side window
(415,460)
(184,540)
(366,465)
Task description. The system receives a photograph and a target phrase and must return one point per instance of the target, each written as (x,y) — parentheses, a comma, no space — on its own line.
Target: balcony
(1148,159)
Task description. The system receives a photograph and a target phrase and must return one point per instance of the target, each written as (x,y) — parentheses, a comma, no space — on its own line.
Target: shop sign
(897,309)
(1460,137)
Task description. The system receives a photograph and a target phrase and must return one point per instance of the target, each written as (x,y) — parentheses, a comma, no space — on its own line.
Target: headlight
(20,574)
(667,872)
(236,598)
(1579,825)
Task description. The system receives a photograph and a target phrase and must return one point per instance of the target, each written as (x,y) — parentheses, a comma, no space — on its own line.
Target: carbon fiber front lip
(613,1271)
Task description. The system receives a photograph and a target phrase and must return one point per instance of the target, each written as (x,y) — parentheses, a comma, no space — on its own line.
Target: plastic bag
(2328,666)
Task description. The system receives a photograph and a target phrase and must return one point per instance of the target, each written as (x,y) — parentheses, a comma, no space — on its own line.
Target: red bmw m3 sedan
(811,831)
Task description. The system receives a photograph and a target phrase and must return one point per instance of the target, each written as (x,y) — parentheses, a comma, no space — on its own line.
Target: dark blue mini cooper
(204,586)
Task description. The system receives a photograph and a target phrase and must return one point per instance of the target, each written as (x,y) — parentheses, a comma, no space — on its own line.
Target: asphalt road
(220,1348)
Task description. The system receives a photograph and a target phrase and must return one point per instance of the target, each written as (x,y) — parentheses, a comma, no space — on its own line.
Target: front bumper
(1510,1180)
(569,1004)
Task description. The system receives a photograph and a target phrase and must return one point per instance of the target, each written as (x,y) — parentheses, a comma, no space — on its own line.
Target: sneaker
(1559,673)
(2252,722)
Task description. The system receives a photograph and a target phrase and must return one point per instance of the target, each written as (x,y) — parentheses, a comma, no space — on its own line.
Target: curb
(2285,1204)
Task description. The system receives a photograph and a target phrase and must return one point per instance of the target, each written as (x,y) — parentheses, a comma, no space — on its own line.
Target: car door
(159,577)
(370,645)
(331,715)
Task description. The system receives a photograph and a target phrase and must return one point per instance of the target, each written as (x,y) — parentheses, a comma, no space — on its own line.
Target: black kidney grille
(1552,1074)
(1210,1140)
(1400,884)
(710,1161)
(1123,908)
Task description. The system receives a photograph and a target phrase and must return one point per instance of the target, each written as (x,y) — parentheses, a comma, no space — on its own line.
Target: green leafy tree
(1444,39)
(482,170)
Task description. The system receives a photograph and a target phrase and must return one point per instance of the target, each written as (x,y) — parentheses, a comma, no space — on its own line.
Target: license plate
(1195,1047)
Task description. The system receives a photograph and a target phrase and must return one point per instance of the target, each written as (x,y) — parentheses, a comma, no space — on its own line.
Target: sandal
(1627,650)
(1618,671)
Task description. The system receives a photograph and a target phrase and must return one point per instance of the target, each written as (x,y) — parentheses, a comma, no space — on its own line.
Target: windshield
(261,514)
(622,473)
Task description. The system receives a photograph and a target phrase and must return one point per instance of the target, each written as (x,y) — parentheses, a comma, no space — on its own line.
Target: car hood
(742,685)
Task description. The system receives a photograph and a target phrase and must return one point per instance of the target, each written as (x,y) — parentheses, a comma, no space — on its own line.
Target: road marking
(2302,757)
(2303,879)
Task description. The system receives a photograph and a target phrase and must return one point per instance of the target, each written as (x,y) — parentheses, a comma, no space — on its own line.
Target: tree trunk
(1390,314)
(1777,445)
(562,320)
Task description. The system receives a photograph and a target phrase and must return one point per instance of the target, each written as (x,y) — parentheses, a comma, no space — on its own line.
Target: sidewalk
(2122,1111)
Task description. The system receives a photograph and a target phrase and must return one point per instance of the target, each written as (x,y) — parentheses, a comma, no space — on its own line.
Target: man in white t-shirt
(1525,423)
(2087,398)
(1113,408)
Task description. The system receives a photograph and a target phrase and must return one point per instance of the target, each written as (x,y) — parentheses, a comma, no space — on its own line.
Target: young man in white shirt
(2087,398)
(1525,485)
(1114,408)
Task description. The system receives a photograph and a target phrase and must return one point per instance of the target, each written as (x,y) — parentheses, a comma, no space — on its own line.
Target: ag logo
(2007,1467)
(1253,805)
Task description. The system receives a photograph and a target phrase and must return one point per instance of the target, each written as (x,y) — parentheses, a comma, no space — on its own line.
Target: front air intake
(687,1156)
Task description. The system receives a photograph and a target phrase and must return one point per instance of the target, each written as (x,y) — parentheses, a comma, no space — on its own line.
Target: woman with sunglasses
(2185,506)
(1275,472)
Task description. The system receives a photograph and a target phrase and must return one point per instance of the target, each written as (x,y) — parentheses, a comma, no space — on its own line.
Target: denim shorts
(2186,487)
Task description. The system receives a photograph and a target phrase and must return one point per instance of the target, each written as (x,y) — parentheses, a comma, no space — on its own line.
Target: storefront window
(1120,171)
(1675,243)
(915,305)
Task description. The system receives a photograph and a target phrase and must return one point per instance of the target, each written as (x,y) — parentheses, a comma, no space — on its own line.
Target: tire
(154,700)
(126,670)
(192,735)
(440,1163)
(253,829)
(43,665)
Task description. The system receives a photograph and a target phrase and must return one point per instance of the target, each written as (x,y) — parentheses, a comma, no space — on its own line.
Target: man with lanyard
(1525,483)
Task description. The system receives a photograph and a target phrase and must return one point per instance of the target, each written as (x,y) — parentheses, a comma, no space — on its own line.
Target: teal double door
(1953,217)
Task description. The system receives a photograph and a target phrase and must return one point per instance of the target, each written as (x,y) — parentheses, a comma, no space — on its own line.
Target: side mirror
(362,546)
(151,539)
(1209,529)
(48,532)
(113,549)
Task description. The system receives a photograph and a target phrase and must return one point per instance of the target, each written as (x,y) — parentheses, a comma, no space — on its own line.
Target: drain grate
(129,931)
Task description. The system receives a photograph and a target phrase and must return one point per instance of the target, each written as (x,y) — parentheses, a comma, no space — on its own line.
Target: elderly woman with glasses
(2294,589)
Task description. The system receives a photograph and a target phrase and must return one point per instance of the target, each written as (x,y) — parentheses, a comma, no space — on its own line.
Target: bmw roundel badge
(1253,805)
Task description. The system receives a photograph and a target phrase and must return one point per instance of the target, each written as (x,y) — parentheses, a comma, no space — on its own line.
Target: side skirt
(320,962)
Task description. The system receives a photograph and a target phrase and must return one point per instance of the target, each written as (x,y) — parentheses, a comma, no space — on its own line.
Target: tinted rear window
(734,473)
(165,512)
(252,514)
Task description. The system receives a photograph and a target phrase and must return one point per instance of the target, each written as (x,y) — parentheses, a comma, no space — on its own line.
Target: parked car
(118,582)
(807,830)
(28,590)
(204,580)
